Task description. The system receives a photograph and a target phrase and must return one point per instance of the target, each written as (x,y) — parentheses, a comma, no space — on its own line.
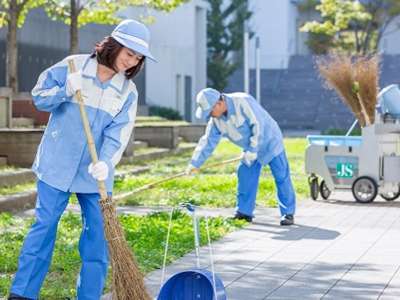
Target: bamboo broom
(337,72)
(366,74)
(356,83)
(148,186)
(127,280)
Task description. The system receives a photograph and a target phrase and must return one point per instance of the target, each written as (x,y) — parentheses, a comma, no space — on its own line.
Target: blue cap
(133,35)
(206,100)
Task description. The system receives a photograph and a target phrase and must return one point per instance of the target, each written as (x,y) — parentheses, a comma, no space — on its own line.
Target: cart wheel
(313,182)
(364,189)
(324,190)
(391,195)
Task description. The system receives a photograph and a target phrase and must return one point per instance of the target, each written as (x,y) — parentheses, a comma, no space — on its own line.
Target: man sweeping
(240,118)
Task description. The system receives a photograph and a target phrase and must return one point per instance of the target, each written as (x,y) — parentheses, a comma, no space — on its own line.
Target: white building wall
(178,42)
(277,24)
(273,21)
(390,42)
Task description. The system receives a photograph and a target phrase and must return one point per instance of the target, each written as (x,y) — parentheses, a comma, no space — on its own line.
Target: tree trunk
(12,50)
(74,39)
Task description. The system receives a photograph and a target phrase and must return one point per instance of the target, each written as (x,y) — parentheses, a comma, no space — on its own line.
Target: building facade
(277,23)
(178,42)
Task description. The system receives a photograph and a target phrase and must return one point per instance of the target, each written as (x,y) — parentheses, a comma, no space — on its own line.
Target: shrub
(339,131)
(165,112)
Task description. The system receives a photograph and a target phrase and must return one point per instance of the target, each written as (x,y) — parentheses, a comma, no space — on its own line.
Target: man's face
(218,109)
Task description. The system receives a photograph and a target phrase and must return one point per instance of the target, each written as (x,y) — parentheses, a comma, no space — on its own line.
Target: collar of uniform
(118,81)
(229,106)
(90,70)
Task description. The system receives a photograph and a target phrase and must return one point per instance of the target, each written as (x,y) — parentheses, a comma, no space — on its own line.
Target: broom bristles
(127,280)
(337,72)
(355,82)
(366,73)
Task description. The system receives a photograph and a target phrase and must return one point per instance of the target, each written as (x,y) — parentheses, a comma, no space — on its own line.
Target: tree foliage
(13,14)
(77,13)
(225,31)
(353,26)
(20,7)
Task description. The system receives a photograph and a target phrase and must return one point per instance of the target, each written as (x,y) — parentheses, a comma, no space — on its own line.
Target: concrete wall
(20,145)
(158,136)
(192,133)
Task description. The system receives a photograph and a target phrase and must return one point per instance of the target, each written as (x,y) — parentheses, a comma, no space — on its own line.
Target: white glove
(249,157)
(74,83)
(190,169)
(99,171)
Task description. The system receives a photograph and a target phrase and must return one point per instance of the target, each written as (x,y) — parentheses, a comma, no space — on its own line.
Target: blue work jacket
(63,156)
(247,125)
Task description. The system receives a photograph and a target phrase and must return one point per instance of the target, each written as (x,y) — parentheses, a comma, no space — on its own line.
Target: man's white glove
(99,170)
(190,169)
(249,157)
(74,83)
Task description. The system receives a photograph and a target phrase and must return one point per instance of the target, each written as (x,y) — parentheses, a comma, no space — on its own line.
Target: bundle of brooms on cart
(356,80)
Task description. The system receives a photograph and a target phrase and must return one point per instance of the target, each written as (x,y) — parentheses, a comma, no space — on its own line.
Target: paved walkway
(338,250)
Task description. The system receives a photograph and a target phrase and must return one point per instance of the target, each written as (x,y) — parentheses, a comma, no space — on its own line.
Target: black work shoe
(240,216)
(17,297)
(287,220)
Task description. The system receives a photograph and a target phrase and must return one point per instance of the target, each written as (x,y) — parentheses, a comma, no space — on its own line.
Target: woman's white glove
(99,170)
(249,157)
(74,83)
(190,169)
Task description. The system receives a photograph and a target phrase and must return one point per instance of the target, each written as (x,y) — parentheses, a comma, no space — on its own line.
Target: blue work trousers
(37,250)
(248,178)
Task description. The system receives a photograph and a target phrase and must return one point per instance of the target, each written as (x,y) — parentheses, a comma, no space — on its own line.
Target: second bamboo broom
(355,82)
(127,280)
(148,186)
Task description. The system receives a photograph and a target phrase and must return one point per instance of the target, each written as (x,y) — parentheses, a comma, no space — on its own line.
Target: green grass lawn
(145,235)
(8,190)
(7,168)
(214,187)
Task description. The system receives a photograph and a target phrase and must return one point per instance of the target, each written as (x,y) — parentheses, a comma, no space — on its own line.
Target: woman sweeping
(63,164)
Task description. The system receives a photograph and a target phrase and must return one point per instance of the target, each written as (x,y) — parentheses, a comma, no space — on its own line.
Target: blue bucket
(196,284)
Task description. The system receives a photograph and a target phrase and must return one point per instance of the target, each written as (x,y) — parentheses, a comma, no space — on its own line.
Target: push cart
(367,165)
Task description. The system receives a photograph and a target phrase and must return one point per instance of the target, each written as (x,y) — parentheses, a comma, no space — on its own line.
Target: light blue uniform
(250,127)
(62,158)
(61,166)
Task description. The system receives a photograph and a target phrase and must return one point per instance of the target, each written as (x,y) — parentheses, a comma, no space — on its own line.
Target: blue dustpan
(196,284)
(193,284)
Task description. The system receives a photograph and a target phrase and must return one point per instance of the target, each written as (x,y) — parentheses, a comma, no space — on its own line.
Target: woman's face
(127,59)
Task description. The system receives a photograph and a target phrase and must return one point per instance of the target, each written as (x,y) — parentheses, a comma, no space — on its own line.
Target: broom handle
(363,110)
(89,137)
(181,174)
